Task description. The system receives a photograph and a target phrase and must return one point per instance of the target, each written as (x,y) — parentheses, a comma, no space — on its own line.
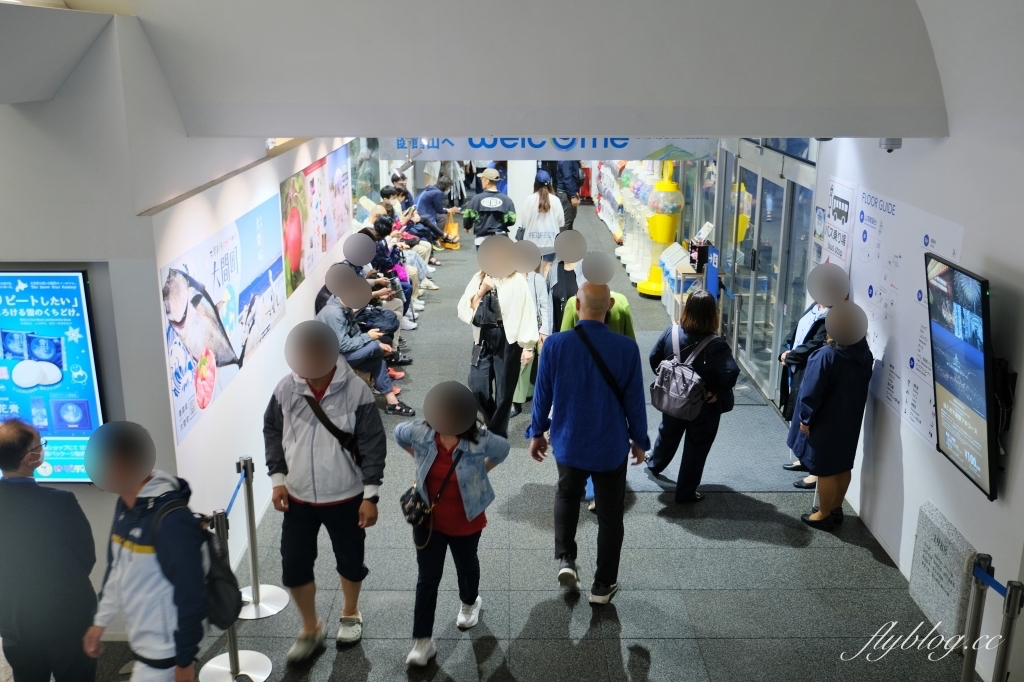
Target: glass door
(747,192)
(728,188)
(767,266)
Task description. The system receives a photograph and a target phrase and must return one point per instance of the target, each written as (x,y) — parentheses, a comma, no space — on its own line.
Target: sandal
(434,262)
(400,409)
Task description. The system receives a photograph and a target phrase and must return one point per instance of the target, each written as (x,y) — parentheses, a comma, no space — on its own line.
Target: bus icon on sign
(871,291)
(912,363)
(927,240)
(840,209)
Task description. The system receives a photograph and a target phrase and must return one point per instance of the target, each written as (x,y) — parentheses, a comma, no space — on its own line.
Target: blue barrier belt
(990,581)
(238,486)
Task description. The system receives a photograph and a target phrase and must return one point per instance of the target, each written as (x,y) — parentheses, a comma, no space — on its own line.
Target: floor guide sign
(888,280)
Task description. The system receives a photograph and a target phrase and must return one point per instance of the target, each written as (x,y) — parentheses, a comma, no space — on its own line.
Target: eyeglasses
(40,447)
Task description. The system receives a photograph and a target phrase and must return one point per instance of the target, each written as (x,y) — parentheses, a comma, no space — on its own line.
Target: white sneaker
(469,614)
(351,629)
(306,645)
(418,305)
(431,268)
(428,284)
(408,325)
(422,651)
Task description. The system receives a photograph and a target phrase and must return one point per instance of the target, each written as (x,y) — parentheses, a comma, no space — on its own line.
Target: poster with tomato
(316,212)
(221,299)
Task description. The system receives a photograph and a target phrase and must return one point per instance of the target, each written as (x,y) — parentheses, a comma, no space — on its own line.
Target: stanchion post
(260,601)
(972,630)
(228,667)
(1011,612)
(245,465)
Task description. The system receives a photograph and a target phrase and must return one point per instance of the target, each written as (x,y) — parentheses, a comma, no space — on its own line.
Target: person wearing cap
(542,219)
(325,452)
(490,212)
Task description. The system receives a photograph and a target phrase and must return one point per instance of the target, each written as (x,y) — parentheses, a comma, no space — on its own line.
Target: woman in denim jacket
(458,515)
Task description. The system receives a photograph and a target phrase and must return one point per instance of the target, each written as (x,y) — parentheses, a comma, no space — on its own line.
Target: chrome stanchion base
(252,664)
(272,601)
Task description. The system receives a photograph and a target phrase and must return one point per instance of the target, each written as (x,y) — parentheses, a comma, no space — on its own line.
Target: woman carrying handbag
(718,371)
(446,504)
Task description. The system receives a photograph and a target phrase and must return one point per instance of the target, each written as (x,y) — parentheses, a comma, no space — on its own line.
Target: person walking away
(504,322)
(155,576)
(807,337)
(528,367)
(457,519)
(567,184)
(827,420)
(620,320)
(542,219)
(591,376)
(718,370)
(365,352)
(490,212)
(47,601)
(319,481)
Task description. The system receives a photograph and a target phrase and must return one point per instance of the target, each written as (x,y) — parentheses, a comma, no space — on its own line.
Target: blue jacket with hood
(158,583)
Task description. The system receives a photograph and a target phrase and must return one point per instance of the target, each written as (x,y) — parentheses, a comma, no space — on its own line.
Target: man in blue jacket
(46,599)
(431,209)
(571,379)
(157,579)
(567,188)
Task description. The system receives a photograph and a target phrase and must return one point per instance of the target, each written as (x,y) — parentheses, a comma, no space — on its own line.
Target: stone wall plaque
(940,575)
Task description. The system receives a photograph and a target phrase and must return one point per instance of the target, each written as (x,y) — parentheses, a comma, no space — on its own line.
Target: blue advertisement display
(48,367)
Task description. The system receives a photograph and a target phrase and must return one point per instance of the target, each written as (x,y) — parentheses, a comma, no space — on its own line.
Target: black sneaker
(567,575)
(601,593)
(398,360)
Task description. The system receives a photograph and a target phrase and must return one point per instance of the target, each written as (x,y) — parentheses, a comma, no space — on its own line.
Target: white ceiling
(310,68)
(40,47)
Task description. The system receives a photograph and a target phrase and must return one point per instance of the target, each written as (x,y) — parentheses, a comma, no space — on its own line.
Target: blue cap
(543,177)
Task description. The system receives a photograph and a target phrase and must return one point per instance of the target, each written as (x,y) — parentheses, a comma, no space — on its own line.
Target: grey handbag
(678,390)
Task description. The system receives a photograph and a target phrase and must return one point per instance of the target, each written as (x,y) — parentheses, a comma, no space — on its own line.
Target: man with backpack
(325,446)
(591,376)
(155,558)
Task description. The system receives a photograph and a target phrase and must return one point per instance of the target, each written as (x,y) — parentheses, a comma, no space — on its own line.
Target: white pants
(143,673)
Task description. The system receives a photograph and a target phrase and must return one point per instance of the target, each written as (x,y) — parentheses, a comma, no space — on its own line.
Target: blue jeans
(370,358)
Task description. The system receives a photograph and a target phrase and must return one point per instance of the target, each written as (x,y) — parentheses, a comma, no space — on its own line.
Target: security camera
(890,144)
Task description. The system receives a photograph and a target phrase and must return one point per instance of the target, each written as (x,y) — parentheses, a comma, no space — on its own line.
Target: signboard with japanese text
(221,299)
(547,148)
(48,368)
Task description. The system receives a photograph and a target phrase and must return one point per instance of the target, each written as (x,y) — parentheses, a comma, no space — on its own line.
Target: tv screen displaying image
(48,372)
(959,321)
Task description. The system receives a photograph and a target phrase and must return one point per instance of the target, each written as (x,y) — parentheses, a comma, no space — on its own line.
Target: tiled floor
(733,589)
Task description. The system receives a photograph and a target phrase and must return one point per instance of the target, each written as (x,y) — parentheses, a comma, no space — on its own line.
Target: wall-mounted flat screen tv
(48,372)
(962,362)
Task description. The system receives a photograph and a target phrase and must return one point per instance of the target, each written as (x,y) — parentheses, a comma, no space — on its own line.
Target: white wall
(232,426)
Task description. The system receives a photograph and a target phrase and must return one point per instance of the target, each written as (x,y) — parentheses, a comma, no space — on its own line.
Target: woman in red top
(456,521)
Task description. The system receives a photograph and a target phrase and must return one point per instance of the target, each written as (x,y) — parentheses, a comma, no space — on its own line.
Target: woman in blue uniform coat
(827,419)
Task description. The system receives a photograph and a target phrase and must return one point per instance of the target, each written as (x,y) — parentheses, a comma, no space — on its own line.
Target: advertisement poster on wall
(48,368)
(221,299)
(316,212)
(888,280)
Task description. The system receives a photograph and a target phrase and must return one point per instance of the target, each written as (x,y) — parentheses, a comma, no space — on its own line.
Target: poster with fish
(48,368)
(316,212)
(221,299)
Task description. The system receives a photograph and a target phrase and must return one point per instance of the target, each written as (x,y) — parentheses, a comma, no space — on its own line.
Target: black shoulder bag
(347,440)
(416,511)
(603,368)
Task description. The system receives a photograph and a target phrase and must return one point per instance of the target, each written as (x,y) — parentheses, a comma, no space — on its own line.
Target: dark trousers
(430,560)
(36,660)
(426,229)
(493,381)
(370,358)
(610,495)
(568,208)
(700,436)
(299,544)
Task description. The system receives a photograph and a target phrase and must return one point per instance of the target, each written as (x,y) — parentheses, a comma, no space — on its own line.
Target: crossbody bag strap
(447,478)
(700,346)
(347,440)
(601,366)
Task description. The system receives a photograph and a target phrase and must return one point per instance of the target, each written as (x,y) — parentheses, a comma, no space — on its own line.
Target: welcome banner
(546,148)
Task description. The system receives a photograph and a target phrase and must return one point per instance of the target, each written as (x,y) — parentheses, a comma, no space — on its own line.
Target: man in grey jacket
(325,447)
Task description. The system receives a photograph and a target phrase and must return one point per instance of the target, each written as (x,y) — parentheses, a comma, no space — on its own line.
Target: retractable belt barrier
(1013,598)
